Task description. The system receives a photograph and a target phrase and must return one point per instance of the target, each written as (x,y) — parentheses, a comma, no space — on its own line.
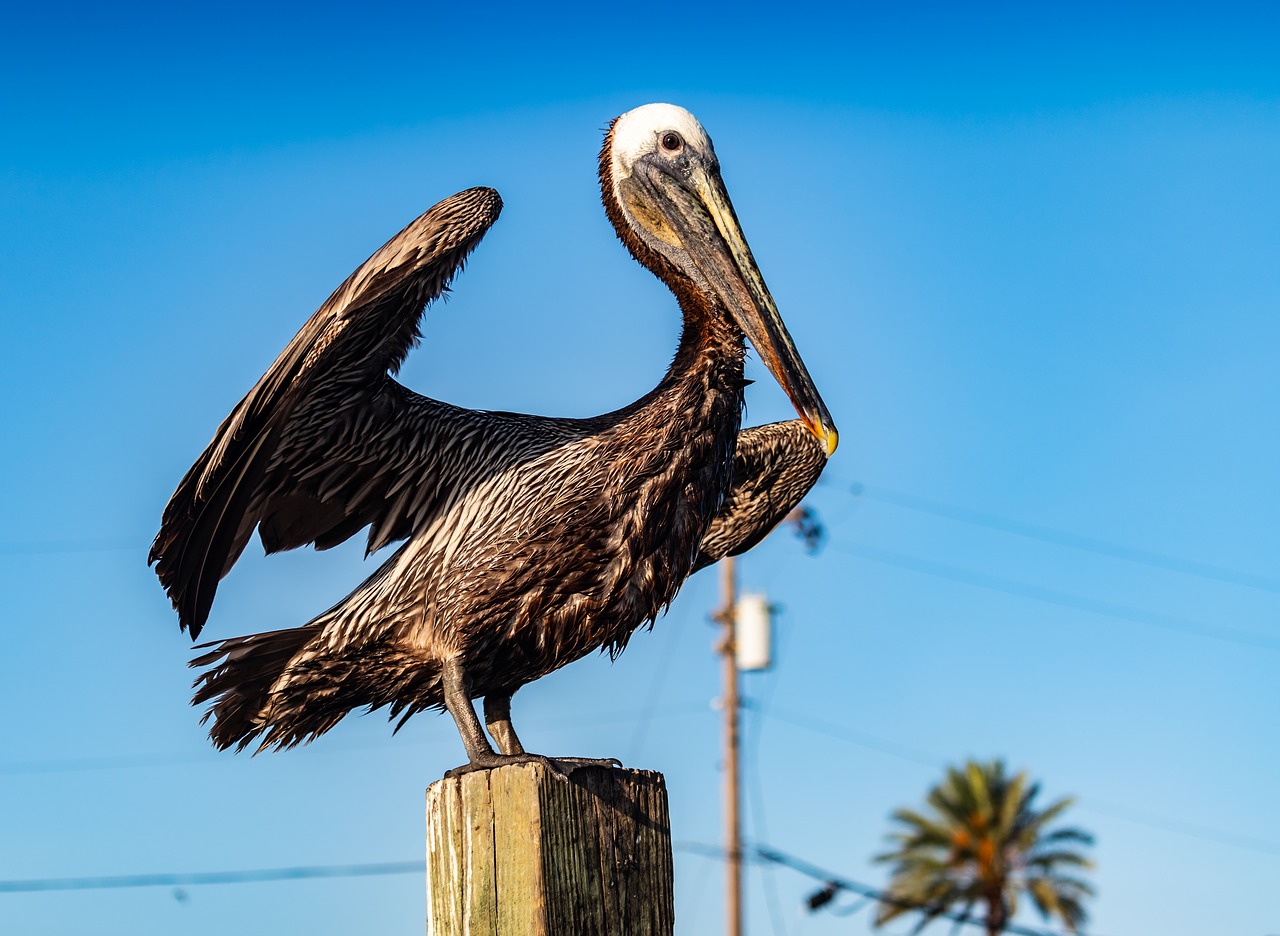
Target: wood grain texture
(516,852)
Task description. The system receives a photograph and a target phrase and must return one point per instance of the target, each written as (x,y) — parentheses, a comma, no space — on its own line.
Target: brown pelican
(528,541)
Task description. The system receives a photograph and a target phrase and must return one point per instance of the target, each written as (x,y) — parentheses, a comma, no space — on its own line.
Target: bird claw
(560,767)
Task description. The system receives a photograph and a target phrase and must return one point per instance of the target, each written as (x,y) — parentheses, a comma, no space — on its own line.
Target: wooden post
(516,852)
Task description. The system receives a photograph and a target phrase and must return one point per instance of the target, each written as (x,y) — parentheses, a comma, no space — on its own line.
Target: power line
(916,756)
(787,716)
(61,547)
(774,856)
(122,881)
(1053,596)
(763,854)
(1181,827)
(692,897)
(801,720)
(756,804)
(1063,538)
(210,758)
(853,736)
(117,762)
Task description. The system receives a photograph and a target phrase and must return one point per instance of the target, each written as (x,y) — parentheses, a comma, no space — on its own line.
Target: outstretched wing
(774,466)
(320,398)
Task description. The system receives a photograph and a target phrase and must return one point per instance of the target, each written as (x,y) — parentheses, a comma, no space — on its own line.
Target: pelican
(527,542)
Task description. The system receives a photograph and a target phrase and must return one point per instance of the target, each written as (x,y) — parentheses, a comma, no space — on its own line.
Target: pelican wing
(328,391)
(774,466)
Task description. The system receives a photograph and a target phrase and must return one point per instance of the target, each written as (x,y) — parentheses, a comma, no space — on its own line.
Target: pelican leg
(457,699)
(497,717)
(480,753)
(497,714)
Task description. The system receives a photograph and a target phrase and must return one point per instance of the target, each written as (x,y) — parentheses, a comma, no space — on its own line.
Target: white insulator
(753,632)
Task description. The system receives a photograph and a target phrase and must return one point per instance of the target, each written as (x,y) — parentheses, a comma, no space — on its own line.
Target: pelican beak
(730,269)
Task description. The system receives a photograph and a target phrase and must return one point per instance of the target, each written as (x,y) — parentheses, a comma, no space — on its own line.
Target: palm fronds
(983,844)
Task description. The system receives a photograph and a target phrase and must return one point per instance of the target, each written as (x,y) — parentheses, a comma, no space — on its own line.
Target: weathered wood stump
(515,851)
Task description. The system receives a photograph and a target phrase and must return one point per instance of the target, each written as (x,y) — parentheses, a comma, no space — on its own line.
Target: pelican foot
(489,761)
(560,767)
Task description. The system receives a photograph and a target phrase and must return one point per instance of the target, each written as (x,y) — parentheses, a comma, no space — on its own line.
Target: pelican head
(661,172)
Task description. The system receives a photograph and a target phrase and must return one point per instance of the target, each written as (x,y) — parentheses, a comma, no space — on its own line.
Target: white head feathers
(636,133)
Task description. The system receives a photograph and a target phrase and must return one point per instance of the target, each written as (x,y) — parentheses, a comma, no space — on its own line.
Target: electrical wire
(183,879)
(1052,596)
(768,855)
(211,758)
(650,711)
(694,896)
(774,856)
(1062,538)
(1181,827)
(85,545)
(756,804)
(916,756)
(853,736)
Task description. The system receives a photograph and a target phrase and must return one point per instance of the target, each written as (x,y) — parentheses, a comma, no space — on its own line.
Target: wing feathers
(332,368)
(774,467)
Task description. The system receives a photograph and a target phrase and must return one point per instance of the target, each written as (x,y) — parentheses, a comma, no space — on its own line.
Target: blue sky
(1028,253)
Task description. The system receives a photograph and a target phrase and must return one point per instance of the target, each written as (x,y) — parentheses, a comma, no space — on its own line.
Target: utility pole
(755,617)
(732,792)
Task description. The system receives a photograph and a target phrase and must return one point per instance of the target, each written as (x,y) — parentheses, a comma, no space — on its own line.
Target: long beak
(742,289)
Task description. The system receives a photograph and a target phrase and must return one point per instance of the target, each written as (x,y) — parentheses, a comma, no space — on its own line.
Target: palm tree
(982,846)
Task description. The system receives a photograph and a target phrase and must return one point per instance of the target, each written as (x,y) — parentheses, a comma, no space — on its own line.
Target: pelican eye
(672,141)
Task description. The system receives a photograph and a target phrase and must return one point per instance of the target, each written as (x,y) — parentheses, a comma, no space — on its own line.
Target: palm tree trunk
(997,913)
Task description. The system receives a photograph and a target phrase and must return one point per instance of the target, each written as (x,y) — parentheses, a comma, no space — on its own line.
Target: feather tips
(340,356)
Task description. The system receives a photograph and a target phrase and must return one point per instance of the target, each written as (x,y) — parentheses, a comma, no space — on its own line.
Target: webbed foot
(560,767)
(487,761)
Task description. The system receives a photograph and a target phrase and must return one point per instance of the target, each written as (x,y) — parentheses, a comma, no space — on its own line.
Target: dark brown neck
(709,340)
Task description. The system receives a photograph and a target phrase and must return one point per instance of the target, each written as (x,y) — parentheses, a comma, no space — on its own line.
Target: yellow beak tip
(824,432)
